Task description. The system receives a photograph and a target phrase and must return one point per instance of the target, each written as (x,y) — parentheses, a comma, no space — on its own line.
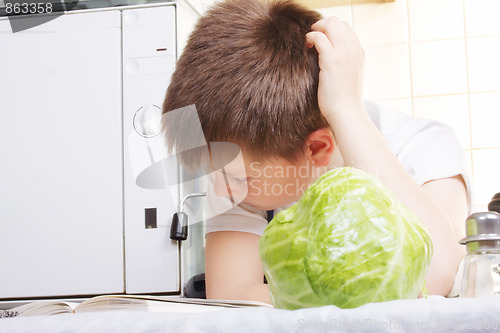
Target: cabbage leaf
(347,242)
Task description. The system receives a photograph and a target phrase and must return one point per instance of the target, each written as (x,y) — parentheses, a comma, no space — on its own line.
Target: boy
(286,87)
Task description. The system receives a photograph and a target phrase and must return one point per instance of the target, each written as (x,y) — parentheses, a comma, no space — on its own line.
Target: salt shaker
(482,261)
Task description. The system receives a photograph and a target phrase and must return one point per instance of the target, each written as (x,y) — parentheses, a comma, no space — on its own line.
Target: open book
(127,302)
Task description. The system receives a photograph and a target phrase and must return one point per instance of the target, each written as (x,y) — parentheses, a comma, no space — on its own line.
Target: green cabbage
(347,242)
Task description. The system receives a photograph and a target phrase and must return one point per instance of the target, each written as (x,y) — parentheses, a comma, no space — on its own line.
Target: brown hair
(253,81)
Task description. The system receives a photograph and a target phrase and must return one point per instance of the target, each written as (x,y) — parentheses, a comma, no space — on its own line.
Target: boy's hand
(341,62)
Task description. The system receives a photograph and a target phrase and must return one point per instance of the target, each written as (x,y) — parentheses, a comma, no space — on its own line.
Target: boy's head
(253,81)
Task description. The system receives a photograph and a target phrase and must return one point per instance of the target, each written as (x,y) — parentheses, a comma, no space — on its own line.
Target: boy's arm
(441,204)
(233,268)
(449,195)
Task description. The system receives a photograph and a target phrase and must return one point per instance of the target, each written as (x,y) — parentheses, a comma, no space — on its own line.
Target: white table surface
(435,314)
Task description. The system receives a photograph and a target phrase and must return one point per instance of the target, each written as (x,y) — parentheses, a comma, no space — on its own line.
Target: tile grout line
(468,92)
(410,58)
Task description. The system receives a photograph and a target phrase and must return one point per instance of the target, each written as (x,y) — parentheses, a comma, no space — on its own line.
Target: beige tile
(450,109)
(481,208)
(400,104)
(482,17)
(323,3)
(185,25)
(387,72)
(435,19)
(484,63)
(485,120)
(342,12)
(377,24)
(359,2)
(486,179)
(438,67)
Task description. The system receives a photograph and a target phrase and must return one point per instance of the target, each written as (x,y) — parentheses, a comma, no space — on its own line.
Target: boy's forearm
(251,292)
(362,146)
(259,292)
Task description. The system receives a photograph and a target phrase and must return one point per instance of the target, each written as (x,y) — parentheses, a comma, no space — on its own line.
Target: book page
(161,304)
(128,302)
(202,301)
(39,308)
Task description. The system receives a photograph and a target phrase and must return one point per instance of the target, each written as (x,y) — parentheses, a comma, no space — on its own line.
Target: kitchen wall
(438,59)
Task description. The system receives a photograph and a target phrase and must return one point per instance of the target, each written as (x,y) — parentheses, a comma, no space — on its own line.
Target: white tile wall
(387,74)
(438,59)
(485,167)
(378,25)
(426,24)
(438,67)
(485,120)
(481,17)
(483,63)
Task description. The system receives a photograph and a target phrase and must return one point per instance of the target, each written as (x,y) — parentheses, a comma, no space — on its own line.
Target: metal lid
(482,227)
(494,205)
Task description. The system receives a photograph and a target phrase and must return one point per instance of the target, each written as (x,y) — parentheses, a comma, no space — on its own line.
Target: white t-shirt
(427,149)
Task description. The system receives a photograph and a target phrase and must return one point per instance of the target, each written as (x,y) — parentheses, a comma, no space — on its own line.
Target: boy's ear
(320,146)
